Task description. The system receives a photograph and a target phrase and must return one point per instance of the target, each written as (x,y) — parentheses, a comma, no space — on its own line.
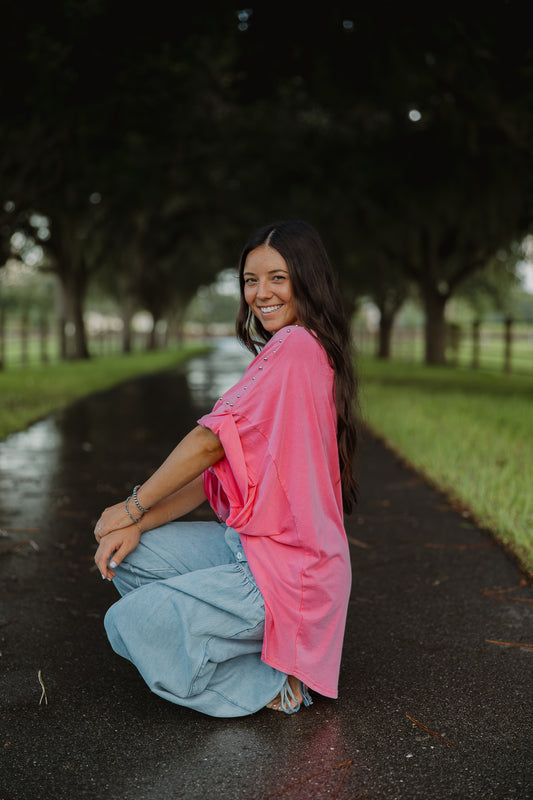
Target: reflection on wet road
(210,376)
(28,463)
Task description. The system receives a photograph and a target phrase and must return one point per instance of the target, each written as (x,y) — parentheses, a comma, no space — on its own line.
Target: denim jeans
(191,619)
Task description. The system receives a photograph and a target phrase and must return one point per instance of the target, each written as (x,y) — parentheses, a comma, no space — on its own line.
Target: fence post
(2,337)
(508,344)
(475,344)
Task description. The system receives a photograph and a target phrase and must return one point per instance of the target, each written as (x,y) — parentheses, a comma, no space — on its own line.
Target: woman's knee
(182,547)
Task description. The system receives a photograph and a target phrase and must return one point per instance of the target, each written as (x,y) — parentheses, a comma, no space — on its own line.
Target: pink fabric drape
(279,486)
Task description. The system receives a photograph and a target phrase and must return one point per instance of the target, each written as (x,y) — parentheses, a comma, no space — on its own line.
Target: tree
(405,136)
(434,115)
(135,129)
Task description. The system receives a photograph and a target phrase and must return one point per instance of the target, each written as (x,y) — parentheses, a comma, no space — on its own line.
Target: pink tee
(279,486)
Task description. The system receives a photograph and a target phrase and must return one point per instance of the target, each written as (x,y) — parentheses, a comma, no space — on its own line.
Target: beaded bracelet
(130,515)
(134,495)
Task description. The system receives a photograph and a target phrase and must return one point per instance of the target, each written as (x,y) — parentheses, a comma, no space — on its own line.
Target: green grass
(29,394)
(470,433)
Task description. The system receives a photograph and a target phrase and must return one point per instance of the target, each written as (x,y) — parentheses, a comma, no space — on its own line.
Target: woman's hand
(115,546)
(114,518)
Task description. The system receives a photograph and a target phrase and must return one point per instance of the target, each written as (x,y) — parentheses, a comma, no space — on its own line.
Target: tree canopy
(154,146)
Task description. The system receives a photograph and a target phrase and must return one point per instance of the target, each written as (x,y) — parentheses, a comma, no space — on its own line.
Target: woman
(228,617)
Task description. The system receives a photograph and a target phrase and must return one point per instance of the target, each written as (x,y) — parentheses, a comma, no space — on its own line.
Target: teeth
(269,309)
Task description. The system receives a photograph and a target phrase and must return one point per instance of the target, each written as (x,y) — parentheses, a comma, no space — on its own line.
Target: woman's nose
(263,289)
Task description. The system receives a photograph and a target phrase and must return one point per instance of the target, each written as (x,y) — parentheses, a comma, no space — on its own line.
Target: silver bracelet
(134,495)
(130,515)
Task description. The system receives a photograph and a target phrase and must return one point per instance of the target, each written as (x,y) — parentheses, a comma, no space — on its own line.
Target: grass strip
(29,394)
(470,433)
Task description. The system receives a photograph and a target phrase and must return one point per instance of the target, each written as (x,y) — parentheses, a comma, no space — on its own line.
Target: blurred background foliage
(140,145)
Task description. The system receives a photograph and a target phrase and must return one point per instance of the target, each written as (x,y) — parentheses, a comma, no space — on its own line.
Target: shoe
(286,693)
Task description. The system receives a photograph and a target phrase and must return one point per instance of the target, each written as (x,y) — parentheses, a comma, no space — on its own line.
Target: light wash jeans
(191,619)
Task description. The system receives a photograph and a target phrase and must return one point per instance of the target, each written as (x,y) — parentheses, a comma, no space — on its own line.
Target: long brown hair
(320,310)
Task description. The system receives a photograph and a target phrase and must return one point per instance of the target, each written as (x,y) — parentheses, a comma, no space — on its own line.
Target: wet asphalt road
(430,706)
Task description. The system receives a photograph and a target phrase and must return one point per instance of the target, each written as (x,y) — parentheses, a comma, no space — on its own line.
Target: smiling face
(268,288)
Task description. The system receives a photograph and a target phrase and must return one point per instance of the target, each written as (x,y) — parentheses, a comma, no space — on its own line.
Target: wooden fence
(505,346)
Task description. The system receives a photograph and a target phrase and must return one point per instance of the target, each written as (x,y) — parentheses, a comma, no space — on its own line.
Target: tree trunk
(157,314)
(81,349)
(71,270)
(152,337)
(24,338)
(126,332)
(127,310)
(2,337)
(72,295)
(475,344)
(61,316)
(43,339)
(389,300)
(386,322)
(126,336)
(178,323)
(508,345)
(62,334)
(435,326)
